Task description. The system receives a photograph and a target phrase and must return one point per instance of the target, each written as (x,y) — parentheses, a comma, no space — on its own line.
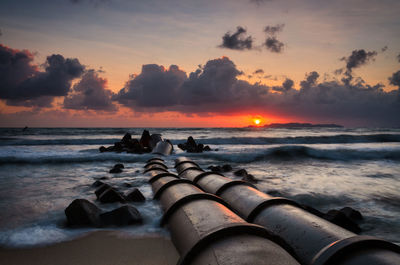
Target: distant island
(298,125)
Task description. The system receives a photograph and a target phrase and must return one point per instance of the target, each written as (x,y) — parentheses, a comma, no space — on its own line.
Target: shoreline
(100,248)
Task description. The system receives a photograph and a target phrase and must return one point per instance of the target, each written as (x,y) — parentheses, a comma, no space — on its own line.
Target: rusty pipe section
(205,231)
(314,240)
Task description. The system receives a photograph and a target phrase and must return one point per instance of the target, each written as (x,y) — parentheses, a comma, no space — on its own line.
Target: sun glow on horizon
(257,121)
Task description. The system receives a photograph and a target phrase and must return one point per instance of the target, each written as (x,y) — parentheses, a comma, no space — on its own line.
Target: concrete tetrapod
(205,231)
(163,148)
(313,240)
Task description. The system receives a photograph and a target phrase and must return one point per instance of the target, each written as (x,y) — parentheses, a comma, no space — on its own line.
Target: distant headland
(298,125)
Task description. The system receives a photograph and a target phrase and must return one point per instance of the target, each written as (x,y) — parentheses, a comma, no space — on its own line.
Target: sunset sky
(199,63)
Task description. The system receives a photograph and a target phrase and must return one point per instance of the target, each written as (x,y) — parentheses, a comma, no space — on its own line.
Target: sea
(42,170)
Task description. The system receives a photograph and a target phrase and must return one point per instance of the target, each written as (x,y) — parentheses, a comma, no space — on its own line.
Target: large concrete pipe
(163,148)
(205,231)
(314,240)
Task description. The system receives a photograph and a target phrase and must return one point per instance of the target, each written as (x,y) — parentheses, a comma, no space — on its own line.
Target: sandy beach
(98,248)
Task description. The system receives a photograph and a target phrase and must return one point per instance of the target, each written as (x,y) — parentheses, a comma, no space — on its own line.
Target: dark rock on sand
(125,215)
(81,212)
(241,172)
(97,183)
(102,189)
(340,219)
(135,196)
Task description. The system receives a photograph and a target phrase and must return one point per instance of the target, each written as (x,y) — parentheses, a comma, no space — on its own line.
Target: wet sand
(99,248)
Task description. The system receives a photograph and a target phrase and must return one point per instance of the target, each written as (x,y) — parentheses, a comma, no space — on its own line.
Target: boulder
(125,215)
(250,178)
(118,146)
(111,195)
(81,212)
(226,168)
(215,168)
(119,165)
(116,170)
(101,189)
(207,148)
(340,219)
(145,139)
(127,137)
(354,215)
(97,183)
(135,196)
(102,149)
(241,172)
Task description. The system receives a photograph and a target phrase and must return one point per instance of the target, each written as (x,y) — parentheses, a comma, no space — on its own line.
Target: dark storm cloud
(398,58)
(258,72)
(90,93)
(395,79)
(22,83)
(216,89)
(274,45)
(237,40)
(286,86)
(154,87)
(272,30)
(311,80)
(356,59)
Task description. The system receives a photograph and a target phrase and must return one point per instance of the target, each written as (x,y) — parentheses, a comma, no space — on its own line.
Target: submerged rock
(97,183)
(226,168)
(125,215)
(250,178)
(135,196)
(354,215)
(241,172)
(192,147)
(101,189)
(81,212)
(111,195)
(340,219)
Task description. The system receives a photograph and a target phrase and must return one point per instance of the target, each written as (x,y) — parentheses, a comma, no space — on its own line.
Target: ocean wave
(334,139)
(75,158)
(295,152)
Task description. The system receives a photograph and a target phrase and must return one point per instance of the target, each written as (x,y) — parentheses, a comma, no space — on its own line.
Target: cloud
(258,72)
(384,49)
(154,87)
(286,86)
(90,93)
(272,43)
(93,2)
(237,40)
(22,83)
(216,89)
(398,58)
(395,79)
(355,60)
(273,30)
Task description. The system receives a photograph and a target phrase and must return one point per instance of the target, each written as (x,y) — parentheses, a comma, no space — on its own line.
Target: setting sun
(257,121)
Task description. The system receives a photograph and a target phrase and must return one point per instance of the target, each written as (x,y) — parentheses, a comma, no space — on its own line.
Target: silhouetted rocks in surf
(241,172)
(124,215)
(135,196)
(97,183)
(117,168)
(81,212)
(339,218)
(192,147)
(223,168)
(145,144)
(101,189)
(111,195)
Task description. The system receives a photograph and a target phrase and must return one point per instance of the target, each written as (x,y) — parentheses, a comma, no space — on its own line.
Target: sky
(199,63)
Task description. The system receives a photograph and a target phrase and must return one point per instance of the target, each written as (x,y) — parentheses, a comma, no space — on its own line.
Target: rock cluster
(138,146)
(192,147)
(82,212)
